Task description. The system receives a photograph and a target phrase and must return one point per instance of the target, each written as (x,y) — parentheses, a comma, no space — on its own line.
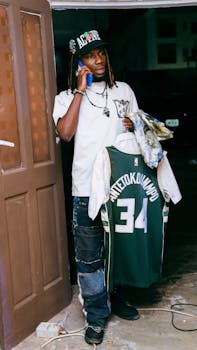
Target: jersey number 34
(128,216)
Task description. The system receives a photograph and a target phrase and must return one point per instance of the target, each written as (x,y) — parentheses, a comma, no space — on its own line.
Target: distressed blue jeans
(89,255)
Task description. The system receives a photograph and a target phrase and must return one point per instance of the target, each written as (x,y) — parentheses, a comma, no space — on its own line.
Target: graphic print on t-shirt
(121,107)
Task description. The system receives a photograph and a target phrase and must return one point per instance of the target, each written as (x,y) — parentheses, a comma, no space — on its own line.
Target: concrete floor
(154,329)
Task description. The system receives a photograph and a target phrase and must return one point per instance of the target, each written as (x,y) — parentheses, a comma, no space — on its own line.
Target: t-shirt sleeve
(133,106)
(61,104)
(129,95)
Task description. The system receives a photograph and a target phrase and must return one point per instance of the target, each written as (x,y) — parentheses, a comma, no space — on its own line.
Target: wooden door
(34,271)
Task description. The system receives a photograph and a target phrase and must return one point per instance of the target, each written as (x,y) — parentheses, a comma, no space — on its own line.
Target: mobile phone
(89,76)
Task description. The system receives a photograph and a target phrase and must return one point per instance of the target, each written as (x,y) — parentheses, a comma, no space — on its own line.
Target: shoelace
(97,329)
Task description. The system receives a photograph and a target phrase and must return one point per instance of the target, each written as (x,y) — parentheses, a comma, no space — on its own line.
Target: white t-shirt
(95,130)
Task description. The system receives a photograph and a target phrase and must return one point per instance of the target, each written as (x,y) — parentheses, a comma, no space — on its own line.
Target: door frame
(62,5)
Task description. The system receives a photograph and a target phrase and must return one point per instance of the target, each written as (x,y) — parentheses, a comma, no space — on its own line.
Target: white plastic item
(47,330)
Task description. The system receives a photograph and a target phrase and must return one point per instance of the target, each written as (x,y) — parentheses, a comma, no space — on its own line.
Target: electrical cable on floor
(68,334)
(76,332)
(63,336)
(174,312)
(178,328)
(169,310)
(60,337)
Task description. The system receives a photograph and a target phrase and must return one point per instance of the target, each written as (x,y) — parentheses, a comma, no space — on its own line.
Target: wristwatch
(77,91)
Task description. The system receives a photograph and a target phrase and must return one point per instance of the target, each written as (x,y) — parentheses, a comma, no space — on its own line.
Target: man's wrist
(77,91)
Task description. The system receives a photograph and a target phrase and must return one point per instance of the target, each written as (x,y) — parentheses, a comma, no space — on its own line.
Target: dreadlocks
(72,79)
(111,80)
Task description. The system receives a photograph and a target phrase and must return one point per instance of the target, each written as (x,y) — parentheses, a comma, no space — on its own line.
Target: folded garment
(149,131)
(159,127)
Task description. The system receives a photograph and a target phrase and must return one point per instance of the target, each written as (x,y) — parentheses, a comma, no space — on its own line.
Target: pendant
(106,111)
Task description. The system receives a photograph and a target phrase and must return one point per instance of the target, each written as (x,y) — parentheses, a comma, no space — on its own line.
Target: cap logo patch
(87,37)
(83,40)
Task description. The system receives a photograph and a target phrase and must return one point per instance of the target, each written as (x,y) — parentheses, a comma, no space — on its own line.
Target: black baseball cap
(85,42)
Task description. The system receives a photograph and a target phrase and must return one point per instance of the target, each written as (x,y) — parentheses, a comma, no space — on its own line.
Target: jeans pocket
(89,243)
(80,213)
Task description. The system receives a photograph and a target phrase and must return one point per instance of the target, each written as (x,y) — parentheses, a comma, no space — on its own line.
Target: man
(95,115)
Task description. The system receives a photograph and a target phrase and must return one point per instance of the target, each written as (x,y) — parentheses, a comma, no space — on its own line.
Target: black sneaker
(122,308)
(94,335)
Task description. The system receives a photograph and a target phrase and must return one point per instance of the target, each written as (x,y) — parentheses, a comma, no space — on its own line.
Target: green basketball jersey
(133,222)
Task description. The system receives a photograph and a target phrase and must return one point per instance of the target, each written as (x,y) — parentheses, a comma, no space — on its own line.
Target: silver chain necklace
(106,111)
(99,93)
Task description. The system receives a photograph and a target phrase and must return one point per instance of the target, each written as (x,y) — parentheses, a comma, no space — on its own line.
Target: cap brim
(91,46)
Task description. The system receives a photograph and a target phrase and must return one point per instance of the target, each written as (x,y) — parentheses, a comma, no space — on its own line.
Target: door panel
(48,240)
(20,263)
(34,271)
(10,157)
(36,85)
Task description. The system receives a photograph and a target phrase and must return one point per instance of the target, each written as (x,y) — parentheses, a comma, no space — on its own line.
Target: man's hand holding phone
(89,76)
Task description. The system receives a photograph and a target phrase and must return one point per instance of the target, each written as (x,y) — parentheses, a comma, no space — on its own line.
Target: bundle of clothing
(148,132)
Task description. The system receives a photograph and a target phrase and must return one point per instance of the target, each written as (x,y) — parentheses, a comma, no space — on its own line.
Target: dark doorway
(155,52)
